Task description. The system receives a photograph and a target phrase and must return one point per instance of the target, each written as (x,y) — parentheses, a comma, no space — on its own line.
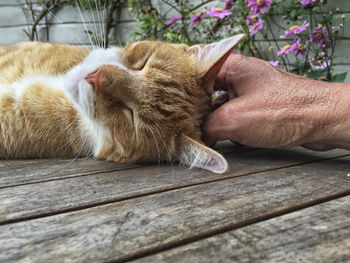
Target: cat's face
(149,100)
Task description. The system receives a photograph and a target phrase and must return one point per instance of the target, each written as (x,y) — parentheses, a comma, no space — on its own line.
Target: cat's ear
(211,57)
(196,154)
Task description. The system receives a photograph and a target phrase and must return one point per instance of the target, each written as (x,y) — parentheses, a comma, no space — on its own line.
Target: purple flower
(319,62)
(196,19)
(259,6)
(297,48)
(324,76)
(173,20)
(216,94)
(306,2)
(276,64)
(256,27)
(319,36)
(295,30)
(285,50)
(252,19)
(228,4)
(218,12)
(335,29)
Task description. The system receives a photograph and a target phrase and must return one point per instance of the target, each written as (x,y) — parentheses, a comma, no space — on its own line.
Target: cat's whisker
(164,144)
(70,139)
(99,17)
(56,19)
(156,142)
(172,168)
(83,146)
(76,155)
(104,12)
(68,126)
(82,19)
(162,136)
(94,34)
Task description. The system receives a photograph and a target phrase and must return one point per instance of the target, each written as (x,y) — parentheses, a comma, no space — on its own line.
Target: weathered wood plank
(124,230)
(18,172)
(40,199)
(6,163)
(34,172)
(319,233)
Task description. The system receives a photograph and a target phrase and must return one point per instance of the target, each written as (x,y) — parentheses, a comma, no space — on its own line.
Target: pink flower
(321,65)
(228,4)
(297,48)
(324,76)
(276,64)
(306,2)
(218,12)
(173,20)
(256,27)
(252,19)
(216,94)
(319,36)
(285,50)
(319,62)
(258,6)
(196,19)
(295,30)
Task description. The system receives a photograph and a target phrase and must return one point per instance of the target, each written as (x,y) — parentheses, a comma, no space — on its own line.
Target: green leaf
(315,74)
(340,77)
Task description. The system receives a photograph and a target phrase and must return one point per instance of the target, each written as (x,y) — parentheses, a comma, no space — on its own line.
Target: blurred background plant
(299,36)
(304,36)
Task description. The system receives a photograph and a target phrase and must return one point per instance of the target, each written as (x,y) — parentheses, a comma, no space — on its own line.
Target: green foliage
(193,22)
(315,61)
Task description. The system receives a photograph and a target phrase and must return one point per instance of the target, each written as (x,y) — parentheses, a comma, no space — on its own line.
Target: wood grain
(316,234)
(56,196)
(132,228)
(19,172)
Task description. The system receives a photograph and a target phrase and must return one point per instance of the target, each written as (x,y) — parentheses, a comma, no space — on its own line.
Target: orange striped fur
(144,102)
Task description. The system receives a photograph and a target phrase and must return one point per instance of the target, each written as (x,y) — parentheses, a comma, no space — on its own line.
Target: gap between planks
(137,166)
(141,253)
(124,168)
(108,232)
(164,190)
(318,233)
(87,173)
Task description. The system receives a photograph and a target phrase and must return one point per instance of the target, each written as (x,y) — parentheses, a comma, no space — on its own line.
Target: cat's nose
(93,79)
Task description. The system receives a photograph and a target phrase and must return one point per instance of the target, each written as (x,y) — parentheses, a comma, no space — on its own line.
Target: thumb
(223,123)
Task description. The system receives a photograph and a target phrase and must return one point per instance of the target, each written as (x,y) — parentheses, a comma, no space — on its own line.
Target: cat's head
(147,101)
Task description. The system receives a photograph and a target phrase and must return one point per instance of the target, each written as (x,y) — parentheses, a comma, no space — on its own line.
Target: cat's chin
(79,90)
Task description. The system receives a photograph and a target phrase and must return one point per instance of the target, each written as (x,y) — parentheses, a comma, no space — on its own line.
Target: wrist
(332,114)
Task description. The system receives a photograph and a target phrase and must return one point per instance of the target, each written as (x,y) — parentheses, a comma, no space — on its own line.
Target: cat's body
(144,102)
(37,118)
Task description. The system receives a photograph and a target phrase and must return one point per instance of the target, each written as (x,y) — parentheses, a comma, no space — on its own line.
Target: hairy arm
(272,108)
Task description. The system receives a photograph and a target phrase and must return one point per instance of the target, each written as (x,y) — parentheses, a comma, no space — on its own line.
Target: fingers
(240,74)
(222,123)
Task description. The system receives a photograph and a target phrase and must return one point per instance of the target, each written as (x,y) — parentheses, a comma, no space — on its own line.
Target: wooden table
(290,205)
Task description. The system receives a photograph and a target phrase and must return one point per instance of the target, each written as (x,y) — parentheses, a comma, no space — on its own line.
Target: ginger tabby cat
(144,102)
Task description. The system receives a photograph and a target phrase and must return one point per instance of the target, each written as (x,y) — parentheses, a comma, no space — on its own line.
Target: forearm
(272,108)
(330,113)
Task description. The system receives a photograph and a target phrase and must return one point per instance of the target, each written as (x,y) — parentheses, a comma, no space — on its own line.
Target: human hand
(272,108)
